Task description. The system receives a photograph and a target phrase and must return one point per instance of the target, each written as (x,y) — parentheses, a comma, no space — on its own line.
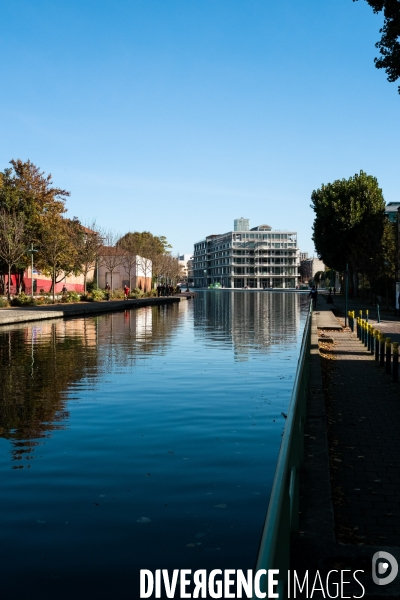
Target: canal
(141,440)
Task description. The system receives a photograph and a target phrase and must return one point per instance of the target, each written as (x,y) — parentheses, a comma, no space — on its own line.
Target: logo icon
(384,564)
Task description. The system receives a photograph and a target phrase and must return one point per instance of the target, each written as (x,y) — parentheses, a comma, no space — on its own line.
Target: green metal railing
(283,509)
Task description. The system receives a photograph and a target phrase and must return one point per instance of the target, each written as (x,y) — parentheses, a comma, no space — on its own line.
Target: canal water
(141,440)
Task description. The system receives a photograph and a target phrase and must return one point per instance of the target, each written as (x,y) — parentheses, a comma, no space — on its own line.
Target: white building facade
(256,258)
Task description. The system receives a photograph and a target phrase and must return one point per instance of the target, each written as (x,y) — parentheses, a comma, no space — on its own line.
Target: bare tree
(172,269)
(130,263)
(12,240)
(111,253)
(90,242)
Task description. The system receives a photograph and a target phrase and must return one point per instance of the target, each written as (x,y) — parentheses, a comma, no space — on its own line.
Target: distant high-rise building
(241,224)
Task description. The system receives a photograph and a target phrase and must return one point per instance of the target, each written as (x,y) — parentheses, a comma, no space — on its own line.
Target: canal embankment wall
(25,314)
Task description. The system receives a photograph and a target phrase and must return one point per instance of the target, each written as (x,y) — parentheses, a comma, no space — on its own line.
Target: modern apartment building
(257,258)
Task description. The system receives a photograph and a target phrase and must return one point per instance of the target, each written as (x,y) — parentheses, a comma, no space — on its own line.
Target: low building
(184,262)
(256,258)
(117,272)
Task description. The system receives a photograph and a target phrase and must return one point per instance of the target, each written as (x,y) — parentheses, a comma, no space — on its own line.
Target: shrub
(91,285)
(151,293)
(117,294)
(22,300)
(136,293)
(71,296)
(97,295)
(4,303)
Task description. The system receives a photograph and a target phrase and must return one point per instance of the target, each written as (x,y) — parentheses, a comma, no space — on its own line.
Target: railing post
(372,349)
(377,337)
(395,376)
(388,355)
(382,350)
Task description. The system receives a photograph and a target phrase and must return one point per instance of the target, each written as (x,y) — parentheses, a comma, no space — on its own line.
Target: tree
(349,224)
(58,255)
(388,45)
(12,241)
(27,191)
(149,249)
(111,254)
(129,261)
(89,243)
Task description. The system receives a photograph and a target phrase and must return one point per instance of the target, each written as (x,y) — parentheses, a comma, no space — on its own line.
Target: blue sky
(178,116)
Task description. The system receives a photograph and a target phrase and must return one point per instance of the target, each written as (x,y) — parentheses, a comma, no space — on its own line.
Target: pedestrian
(334,291)
(64,290)
(126,292)
(314,295)
(108,290)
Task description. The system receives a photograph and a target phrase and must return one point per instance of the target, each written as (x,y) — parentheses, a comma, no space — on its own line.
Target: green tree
(388,45)
(27,192)
(12,241)
(349,225)
(58,253)
(149,249)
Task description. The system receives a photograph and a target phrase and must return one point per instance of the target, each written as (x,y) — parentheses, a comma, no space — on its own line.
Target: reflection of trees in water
(247,320)
(39,364)
(36,371)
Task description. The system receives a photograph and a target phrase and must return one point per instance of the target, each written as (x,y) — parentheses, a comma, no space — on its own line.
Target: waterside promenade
(350,480)
(22,314)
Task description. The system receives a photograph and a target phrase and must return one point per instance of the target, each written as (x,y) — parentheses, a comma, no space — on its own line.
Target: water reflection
(41,363)
(248,320)
(158,433)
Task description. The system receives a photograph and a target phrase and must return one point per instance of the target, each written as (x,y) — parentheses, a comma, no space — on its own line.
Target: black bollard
(377,334)
(395,374)
(382,350)
(388,368)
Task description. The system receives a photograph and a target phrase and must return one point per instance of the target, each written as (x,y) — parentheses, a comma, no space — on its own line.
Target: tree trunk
(9,283)
(54,286)
(84,283)
(111,274)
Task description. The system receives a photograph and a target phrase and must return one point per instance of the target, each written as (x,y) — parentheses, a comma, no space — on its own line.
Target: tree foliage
(388,45)
(350,224)
(12,240)
(58,253)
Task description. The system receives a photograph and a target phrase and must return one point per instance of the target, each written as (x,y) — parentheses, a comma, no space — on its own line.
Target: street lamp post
(205,277)
(346,294)
(31,251)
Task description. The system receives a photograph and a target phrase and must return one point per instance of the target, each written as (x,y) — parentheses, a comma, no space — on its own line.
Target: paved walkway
(350,482)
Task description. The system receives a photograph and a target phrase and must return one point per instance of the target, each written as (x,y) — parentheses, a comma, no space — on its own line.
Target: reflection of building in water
(248,320)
